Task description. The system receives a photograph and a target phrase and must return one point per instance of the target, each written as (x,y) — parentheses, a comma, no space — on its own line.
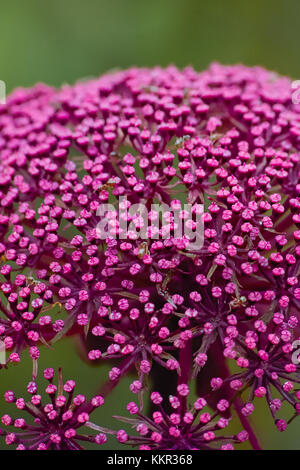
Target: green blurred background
(61,41)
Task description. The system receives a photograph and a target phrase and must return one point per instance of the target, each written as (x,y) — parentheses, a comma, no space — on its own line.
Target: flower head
(185,428)
(79,164)
(54,425)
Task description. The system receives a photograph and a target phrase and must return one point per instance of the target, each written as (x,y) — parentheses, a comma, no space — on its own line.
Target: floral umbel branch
(87,251)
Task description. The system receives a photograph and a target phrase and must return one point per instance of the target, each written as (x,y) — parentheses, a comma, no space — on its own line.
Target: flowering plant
(220,317)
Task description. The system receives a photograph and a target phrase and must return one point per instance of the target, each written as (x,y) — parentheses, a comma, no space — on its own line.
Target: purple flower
(54,425)
(185,428)
(226,139)
(24,322)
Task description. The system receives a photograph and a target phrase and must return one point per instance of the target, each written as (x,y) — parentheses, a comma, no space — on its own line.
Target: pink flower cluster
(56,424)
(227,138)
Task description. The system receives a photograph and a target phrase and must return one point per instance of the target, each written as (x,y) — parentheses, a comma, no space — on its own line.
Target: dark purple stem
(238,405)
(185,362)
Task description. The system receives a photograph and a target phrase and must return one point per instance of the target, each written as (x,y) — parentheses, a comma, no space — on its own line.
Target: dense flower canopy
(227,139)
